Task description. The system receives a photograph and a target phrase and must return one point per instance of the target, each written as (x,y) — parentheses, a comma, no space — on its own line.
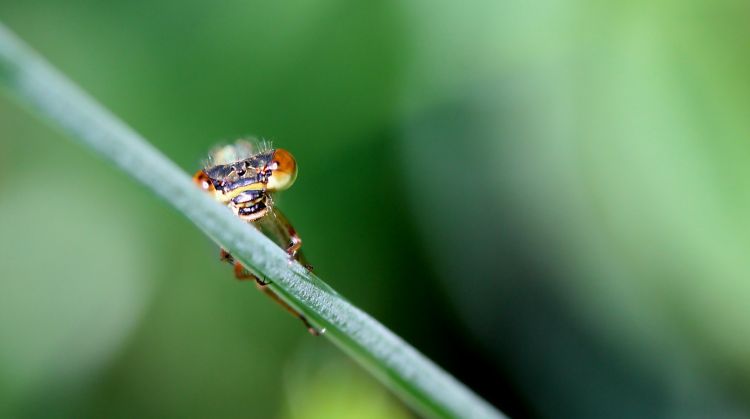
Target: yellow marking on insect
(228,196)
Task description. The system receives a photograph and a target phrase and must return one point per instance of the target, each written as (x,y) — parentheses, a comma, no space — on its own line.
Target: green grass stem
(48,93)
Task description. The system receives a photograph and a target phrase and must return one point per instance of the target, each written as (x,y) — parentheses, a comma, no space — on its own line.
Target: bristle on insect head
(264,145)
(242,149)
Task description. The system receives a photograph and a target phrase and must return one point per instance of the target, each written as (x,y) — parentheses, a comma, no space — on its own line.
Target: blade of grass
(410,374)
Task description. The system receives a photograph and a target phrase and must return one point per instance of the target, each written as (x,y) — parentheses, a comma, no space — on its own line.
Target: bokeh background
(549,199)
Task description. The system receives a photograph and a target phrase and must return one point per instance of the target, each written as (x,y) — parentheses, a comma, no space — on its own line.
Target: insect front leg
(243,274)
(278,228)
(240,272)
(270,293)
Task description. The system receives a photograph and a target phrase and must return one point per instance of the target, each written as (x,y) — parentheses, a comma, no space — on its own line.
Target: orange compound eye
(283,169)
(203,181)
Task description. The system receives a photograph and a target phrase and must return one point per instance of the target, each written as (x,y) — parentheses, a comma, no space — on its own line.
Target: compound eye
(283,169)
(203,181)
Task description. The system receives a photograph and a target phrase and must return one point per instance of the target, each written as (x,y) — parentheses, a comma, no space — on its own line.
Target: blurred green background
(549,199)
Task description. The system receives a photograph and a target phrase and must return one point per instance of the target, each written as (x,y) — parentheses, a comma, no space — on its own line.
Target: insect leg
(280,231)
(224,256)
(239,270)
(278,228)
(269,292)
(243,274)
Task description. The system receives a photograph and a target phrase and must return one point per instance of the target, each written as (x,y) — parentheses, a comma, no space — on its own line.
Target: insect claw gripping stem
(224,256)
